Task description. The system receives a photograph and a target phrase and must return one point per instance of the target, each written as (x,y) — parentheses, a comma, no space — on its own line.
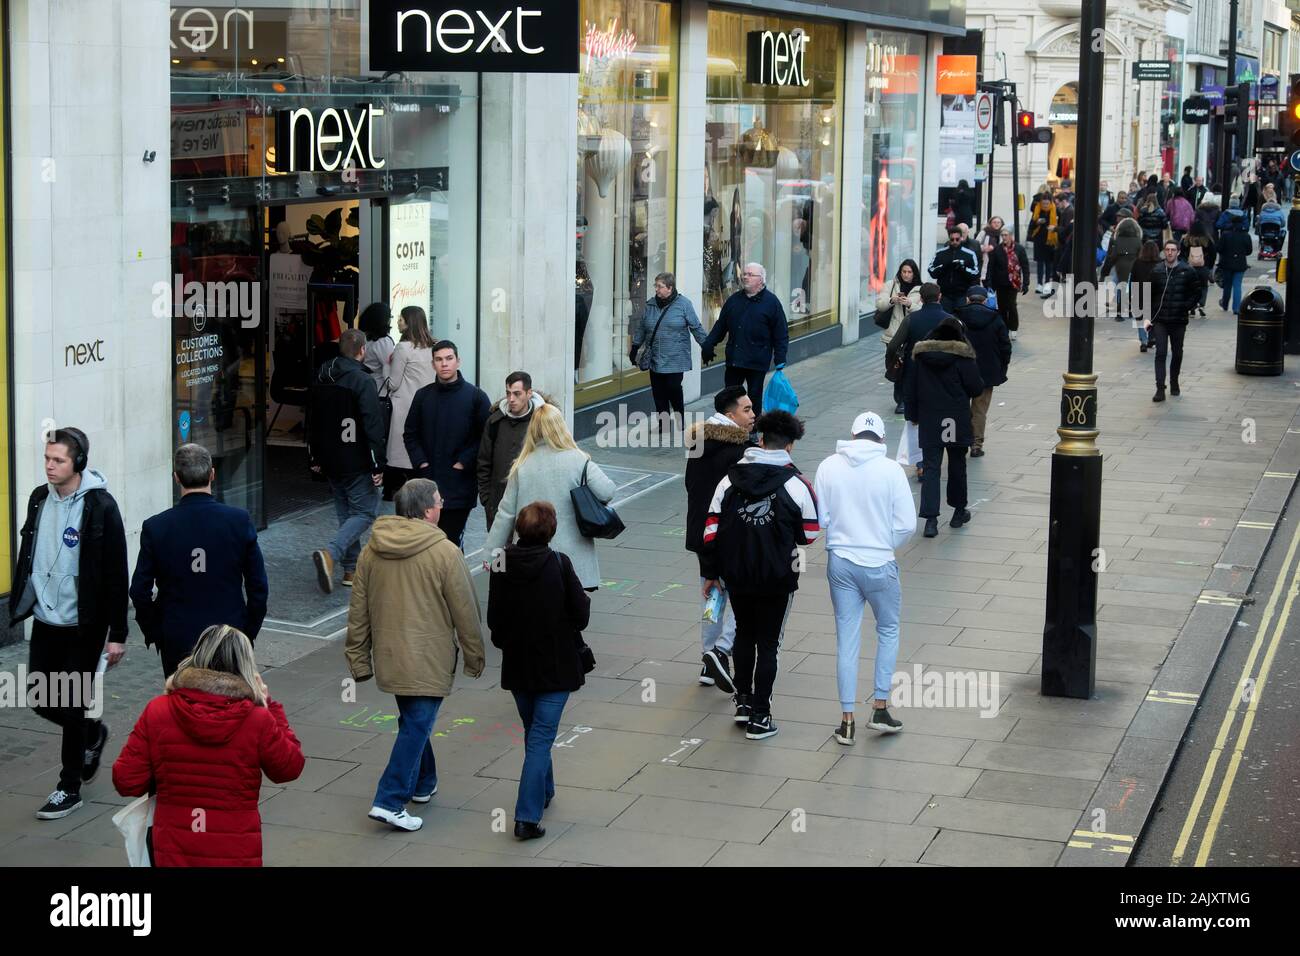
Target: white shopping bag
(909,446)
(134,821)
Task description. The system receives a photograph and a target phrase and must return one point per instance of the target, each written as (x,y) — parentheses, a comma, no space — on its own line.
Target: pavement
(651,769)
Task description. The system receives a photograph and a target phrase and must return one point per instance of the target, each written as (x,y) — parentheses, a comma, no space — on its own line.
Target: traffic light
(1289,122)
(1027,132)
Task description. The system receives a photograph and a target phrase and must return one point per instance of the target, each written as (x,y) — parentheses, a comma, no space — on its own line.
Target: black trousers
(951,303)
(452,522)
(394,478)
(752,379)
(1008,307)
(55,652)
(666,387)
(1166,336)
(760,621)
(932,460)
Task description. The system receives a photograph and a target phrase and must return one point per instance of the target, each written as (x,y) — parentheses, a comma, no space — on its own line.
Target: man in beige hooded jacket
(413,610)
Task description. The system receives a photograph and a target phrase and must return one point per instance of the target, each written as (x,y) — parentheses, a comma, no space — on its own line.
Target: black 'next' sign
(532,36)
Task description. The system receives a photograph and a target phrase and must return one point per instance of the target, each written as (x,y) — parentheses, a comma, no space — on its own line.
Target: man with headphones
(71,577)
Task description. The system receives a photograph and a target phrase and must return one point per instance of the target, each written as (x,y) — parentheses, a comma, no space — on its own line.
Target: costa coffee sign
(325,140)
(776,59)
(488,37)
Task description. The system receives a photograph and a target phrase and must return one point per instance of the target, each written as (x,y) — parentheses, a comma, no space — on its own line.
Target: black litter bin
(1260,333)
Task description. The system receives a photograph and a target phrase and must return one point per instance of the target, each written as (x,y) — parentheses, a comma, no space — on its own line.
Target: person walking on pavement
(1139,298)
(1175,290)
(988,336)
(954,268)
(413,605)
(503,437)
(346,443)
(537,610)
(864,504)
(757,332)
(204,559)
(71,577)
(201,747)
(1198,252)
(443,433)
(900,298)
(410,369)
(1181,214)
(712,448)
(1121,256)
(1235,249)
(942,380)
(376,320)
(667,325)
(762,515)
(549,467)
(1042,235)
(1152,219)
(1009,276)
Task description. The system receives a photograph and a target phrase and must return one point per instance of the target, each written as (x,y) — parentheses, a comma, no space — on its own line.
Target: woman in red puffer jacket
(202,747)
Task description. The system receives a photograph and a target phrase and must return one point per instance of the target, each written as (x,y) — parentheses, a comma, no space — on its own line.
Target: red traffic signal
(1027,132)
(1024,120)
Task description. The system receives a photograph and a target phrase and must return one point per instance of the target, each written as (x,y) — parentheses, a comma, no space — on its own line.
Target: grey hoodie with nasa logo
(56,557)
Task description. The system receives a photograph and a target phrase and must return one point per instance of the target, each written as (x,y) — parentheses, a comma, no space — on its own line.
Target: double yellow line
(1246,696)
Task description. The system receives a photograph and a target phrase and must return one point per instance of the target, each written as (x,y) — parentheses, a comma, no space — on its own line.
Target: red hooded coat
(202,749)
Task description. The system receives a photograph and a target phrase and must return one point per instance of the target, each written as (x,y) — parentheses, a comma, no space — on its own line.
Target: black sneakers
(882,723)
(717,671)
(760,726)
(932,527)
(960,518)
(705,679)
(845,734)
(1159,396)
(1173,387)
(58,805)
(743,708)
(94,753)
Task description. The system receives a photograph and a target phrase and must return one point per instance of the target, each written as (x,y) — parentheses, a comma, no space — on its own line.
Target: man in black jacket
(712,447)
(444,430)
(71,577)
(503,439)
(348,443)
(754,324)
(988,336)
(917,326)
(203,556)
(1175,291)
(762,516)
(955,268)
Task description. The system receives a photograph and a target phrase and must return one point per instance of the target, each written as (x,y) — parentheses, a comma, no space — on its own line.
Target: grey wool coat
(549,475)
(671,349)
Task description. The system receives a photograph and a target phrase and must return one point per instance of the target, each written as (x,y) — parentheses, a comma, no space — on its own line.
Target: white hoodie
(864,502)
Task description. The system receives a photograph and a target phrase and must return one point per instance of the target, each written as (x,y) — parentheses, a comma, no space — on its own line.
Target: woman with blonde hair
(202,747)
(549,466)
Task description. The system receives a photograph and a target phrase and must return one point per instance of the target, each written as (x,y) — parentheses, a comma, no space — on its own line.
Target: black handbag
(585,656)
(886,315)
(386,407)
(595,519)
(643,354)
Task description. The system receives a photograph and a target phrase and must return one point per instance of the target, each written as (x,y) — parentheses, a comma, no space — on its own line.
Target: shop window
(772,147)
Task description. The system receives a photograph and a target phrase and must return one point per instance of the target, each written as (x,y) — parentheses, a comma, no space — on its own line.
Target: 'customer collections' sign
(487,36)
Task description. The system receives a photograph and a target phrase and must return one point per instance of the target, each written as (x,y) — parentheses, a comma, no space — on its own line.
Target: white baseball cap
(868,422)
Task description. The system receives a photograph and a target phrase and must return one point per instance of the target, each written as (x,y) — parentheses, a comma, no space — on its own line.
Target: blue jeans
(721,635)
(356,502)
(1232,283)
(411,769)
(541,714)
(852,586)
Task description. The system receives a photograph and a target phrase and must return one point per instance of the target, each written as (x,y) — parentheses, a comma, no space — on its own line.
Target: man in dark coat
(71,578)
(955,268)
(443,433)
(503,439)
(941,381)
(712,447)
(757,331)
(347,441)
(917,326)
(988,336)
(1175,291)
(204,558)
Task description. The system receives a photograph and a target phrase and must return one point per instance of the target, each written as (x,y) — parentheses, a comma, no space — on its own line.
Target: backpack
(1196,257)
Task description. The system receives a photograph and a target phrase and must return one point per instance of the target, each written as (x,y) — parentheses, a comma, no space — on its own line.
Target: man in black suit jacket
(204,558)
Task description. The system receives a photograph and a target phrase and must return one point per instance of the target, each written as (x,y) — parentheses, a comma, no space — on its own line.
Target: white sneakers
(425,797)
(400,820)
(1013,336)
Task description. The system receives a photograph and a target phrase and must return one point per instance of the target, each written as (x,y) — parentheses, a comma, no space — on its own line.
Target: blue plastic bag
(779,395)
(992,300)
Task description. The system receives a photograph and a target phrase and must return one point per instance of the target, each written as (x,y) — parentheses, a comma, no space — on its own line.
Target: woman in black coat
(963,203)
(1007,280)
(942,379)
(536,612)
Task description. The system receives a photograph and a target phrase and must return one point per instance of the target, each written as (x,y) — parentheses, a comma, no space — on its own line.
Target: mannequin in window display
(606,170)
(583,294)
(715,246)
(732,278)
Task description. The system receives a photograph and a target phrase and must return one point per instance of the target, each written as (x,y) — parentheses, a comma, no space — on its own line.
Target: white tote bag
(134,821)
(909,446)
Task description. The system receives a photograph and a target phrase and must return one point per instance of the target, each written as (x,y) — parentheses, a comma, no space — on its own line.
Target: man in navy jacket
(204,558)
(756,329)
(444,429)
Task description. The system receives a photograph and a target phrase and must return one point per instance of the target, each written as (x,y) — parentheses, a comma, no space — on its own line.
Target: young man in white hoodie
(865,505)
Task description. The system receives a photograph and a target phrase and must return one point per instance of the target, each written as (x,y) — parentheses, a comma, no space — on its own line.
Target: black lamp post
(1074,532)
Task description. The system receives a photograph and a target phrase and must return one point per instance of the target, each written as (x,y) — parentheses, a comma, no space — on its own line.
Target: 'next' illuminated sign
(325,140)
(487,36)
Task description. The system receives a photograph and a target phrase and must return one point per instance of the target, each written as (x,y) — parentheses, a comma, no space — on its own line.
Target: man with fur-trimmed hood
(712,447)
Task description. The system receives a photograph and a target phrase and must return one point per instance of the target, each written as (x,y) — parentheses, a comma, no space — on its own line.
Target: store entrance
(313,267)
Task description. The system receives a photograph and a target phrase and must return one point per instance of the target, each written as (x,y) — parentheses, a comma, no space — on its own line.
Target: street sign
(984,123)
(1154,70)
(1197,110)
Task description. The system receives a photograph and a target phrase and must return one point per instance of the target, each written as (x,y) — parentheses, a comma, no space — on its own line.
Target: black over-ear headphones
(80,455)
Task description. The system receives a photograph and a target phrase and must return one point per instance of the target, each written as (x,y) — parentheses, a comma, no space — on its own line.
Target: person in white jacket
(865,505)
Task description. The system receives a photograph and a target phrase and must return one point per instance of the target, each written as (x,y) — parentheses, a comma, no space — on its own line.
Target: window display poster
(957,140)
(408,257)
